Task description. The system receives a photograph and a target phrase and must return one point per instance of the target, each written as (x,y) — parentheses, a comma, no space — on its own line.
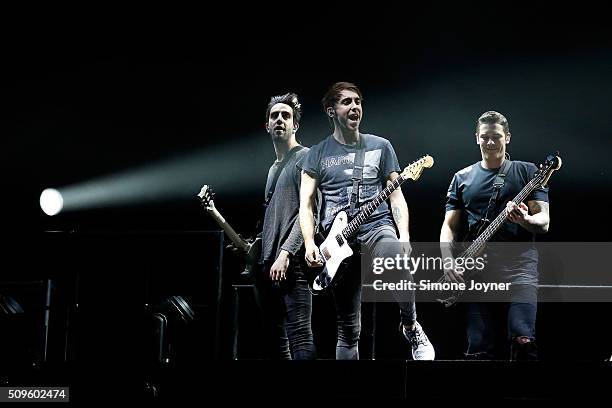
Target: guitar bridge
(325,253)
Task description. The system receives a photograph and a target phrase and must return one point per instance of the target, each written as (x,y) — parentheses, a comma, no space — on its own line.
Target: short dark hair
(290,99)
(492,118)
(332,96)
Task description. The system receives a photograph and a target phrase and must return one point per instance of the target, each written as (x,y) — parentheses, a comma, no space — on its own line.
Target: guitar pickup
(339,240)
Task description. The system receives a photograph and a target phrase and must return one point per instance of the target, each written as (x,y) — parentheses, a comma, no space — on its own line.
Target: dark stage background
(171,103)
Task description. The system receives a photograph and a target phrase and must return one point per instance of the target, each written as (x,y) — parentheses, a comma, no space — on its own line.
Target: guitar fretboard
(482,239)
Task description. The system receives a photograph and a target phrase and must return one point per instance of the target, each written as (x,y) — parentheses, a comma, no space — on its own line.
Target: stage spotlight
(9,306)
(176,309)
(51,201)
(169,319)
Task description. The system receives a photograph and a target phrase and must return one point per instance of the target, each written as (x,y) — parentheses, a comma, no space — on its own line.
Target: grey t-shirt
(281,226)
(331,163)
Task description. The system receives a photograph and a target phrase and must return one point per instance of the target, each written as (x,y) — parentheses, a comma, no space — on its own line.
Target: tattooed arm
(399,209)
(536,222)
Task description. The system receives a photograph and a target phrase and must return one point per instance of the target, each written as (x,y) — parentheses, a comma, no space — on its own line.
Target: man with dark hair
(281,287)
(329,167)
(470,199)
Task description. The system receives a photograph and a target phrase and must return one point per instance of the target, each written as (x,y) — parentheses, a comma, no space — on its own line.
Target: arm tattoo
(536,207)
(397,214)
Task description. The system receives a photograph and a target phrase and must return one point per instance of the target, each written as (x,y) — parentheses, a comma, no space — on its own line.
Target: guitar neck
(370,207)
(483,238)
(232,235)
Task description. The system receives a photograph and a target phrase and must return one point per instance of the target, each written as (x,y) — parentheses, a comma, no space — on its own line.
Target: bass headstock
(551,164)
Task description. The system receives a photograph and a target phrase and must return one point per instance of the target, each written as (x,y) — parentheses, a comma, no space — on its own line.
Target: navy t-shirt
(331,163)
(472,188)
(470,191)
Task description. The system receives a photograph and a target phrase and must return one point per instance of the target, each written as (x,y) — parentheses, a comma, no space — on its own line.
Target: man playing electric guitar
(281,286)
(472,195)
(331,166)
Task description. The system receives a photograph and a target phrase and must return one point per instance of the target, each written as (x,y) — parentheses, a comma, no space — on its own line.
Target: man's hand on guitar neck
(517,213)
(536,222)
(313,256)
(237,251)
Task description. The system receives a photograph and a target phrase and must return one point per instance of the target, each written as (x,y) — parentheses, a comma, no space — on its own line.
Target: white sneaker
(421,346)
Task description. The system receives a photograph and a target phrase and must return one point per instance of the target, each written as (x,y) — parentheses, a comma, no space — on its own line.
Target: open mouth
(353,116)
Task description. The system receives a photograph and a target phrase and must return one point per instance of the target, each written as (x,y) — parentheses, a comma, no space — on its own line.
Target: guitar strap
(498,183)
(357,173)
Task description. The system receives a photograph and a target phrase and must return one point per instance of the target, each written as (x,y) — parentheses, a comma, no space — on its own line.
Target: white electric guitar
(335,248)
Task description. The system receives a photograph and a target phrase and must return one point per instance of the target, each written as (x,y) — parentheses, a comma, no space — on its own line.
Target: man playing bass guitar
(480,192)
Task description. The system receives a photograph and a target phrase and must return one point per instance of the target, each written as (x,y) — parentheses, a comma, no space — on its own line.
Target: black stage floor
(283,382)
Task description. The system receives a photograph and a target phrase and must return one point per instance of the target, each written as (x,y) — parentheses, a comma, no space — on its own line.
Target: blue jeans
(287,310)
(347,292)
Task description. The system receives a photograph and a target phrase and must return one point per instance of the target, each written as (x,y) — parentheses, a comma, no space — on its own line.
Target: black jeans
(486,321)
(287,310)
(381,242)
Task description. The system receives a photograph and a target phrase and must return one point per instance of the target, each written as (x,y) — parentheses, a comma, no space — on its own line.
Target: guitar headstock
(207,196)
(414,170)
(553,163)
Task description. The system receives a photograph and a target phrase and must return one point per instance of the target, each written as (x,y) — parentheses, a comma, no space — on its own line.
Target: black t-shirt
(470,191)
(472,188)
